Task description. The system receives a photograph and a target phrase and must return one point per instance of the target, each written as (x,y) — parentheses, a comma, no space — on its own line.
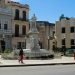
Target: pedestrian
(21,53)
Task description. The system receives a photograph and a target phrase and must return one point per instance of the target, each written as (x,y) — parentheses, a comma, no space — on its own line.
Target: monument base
(34,54)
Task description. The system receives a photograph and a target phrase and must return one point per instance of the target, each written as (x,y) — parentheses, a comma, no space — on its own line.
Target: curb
(23,65)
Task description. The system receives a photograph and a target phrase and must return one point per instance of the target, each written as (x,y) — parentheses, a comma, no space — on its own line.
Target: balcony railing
(2,31)
(5,11)
(19,35)
(21,19)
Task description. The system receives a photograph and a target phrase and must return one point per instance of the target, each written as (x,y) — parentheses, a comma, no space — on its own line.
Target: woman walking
(21,53)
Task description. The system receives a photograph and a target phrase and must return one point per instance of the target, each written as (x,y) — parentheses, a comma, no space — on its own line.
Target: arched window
(16,14)
(24,15)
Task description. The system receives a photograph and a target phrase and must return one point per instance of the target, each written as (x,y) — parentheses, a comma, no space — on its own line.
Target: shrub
(7,51)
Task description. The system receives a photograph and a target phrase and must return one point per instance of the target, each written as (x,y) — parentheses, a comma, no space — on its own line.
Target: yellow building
(65,33)
(20,23)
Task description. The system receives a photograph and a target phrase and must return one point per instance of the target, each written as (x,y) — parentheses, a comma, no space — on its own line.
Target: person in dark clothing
(21,53)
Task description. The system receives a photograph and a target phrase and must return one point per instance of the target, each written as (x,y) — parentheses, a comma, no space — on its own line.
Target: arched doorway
(2,45)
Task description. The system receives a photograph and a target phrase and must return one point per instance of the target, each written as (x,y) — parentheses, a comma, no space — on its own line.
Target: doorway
(2,45)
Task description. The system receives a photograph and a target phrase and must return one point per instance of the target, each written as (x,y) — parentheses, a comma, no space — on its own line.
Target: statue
(33,35)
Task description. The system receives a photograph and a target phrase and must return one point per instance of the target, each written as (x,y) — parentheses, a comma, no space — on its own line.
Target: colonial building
(20,23)
(14,26)
(65,33)
(5,26)
(46,33)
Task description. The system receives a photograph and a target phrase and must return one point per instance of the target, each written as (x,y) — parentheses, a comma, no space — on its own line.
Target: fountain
(32,46)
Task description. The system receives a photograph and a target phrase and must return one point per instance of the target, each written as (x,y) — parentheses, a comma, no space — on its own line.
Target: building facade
(20,23)
(65,33)
(14,26)
(46,33)
(5,26)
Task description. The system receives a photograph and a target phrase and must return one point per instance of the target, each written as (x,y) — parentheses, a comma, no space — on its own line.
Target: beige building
(65,33)
(20,23)
(46,33)
(16,18)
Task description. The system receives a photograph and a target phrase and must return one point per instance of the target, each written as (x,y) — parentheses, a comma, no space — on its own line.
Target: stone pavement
(56,61)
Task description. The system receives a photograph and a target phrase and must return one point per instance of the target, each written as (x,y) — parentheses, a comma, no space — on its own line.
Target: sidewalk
(12,63)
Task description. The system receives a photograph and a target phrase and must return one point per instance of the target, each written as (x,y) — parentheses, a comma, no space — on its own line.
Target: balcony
(20,35)
(2,31)
(5,11)
(21,19)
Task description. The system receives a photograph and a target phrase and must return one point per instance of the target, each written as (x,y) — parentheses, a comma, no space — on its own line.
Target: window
(63,30)
(63,41)
(23,30)
(73,47)
(53,33)
(40,43)
(63,49)
(0,25)
(72,30)
(72,42)
(29,25)
(24,15)
(19,45)
(16,14)
(16,30)
(5,26)
(24,45)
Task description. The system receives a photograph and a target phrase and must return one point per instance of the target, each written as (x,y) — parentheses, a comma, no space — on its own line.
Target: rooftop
(46,23)
(19,4)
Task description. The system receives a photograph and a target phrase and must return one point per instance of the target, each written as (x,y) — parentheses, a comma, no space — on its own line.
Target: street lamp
(55,43)
(64,45)
(48,42)
(25,42)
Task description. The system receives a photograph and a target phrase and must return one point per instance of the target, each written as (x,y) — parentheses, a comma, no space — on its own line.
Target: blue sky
(50,10)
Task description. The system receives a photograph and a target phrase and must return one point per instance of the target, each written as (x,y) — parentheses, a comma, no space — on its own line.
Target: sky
(50,10)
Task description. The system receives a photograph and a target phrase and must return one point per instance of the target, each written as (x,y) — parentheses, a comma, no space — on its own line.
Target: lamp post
(55,41)
(48,42)
(25,42)
(64,45)
(55,38)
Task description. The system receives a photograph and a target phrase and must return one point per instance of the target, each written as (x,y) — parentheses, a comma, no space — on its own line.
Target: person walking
(21,53)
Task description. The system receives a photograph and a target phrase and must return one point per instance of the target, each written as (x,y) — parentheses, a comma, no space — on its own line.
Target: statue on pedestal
(33,35)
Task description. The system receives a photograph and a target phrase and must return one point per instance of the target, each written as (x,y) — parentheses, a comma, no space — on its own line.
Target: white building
(5,26)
